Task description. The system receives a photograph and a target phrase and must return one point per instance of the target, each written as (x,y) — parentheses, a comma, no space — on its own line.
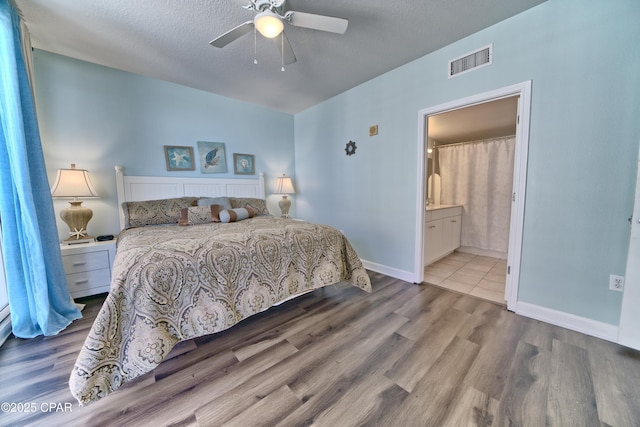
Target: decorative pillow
(153,212)
(259,205)
(237,214)
(222,201)
(199,215)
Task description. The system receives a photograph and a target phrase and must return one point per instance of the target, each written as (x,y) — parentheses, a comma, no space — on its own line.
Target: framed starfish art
(179,158)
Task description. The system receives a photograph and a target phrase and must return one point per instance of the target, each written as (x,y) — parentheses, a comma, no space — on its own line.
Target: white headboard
(138,188)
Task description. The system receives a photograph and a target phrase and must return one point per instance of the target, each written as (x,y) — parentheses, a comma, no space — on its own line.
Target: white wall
(99,117)
(583,59)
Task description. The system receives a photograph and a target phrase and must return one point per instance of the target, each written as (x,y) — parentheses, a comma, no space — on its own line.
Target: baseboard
(591,327)
(482,252)
(389,271)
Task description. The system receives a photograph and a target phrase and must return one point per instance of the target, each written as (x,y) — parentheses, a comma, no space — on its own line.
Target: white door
(629,330)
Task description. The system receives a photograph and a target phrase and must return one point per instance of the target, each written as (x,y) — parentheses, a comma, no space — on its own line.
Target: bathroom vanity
(443,225)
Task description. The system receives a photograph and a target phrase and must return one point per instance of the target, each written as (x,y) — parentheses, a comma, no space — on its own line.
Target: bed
(173,282)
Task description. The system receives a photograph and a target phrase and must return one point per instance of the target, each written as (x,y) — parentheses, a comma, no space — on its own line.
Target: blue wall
(99,117)
(581,55)
(584,61)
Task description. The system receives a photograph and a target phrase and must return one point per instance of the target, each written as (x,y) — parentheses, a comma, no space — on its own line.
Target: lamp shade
(73,183)
(268,23)
(284,185)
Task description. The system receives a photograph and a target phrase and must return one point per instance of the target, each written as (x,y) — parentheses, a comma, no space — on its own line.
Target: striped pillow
(237,214)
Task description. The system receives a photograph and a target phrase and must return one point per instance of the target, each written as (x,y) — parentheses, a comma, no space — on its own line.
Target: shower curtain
(479,176)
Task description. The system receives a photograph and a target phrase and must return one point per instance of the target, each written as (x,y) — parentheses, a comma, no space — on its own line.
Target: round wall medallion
(350,149)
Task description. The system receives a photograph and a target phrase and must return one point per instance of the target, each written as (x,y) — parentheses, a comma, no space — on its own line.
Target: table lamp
(284,186)
(75,183)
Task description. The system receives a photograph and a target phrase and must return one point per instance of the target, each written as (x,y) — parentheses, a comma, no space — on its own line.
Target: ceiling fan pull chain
(255,47)
(282,50)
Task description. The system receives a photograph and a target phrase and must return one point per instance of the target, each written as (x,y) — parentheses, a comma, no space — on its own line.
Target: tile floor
(480,276)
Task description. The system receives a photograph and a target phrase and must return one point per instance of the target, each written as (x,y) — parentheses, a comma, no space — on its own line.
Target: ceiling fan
(269,21)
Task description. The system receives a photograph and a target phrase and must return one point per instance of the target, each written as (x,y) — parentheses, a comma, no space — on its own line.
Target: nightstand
(88,267)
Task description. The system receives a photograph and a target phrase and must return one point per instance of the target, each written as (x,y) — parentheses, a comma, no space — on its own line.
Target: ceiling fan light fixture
(268,23)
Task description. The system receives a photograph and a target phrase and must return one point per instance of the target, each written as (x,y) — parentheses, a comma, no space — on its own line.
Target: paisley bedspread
(172,283)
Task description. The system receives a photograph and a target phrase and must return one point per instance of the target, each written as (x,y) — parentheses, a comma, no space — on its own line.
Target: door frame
(516,225)
(628,331)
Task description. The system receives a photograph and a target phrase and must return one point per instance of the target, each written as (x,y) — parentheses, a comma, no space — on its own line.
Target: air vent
(471,61)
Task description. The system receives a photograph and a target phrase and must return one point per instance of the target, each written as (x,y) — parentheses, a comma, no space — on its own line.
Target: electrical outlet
(616,283)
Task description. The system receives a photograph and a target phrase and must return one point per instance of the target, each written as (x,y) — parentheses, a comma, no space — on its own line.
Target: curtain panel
(39,299)
(479,176)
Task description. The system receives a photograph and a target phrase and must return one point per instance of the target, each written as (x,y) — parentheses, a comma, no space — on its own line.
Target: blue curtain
(38,295)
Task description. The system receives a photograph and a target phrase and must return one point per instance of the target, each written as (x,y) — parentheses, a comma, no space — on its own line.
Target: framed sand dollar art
(243,164)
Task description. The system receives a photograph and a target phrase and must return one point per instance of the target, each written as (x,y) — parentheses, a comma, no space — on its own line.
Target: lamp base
(77,217)
(284,204)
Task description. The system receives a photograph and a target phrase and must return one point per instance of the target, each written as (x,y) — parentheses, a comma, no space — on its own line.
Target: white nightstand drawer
(89,279)
(85,262)
(88,267)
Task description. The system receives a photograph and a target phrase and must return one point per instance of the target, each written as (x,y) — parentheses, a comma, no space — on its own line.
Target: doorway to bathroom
(493,126)
(470,153)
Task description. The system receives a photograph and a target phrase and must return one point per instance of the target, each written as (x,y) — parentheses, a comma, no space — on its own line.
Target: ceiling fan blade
(247,4)
(285,49)
(232,34)
(318,22)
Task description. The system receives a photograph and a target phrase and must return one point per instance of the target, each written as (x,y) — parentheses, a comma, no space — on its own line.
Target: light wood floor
(481,276)
(405,355)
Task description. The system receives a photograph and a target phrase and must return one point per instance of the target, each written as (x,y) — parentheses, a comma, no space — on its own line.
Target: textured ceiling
(169,40)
